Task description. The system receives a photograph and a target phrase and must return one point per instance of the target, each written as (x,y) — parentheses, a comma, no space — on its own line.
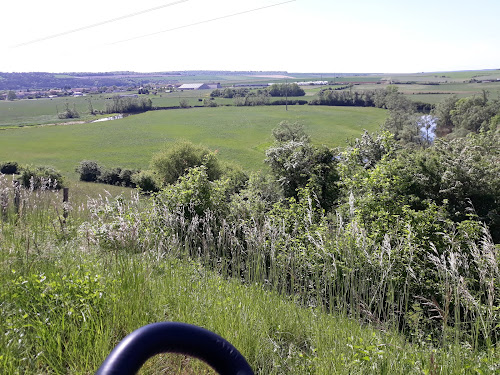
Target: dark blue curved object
(169,337)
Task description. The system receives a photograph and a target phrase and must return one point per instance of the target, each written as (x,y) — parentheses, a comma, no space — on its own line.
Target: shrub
(195,195)
(286,89)
(289,102)
(128,105)
(174,162)
(126,177)
(209,103)
(41,177)
(89,170)
(69,113)
(110,176)
(146,181)
(8,167)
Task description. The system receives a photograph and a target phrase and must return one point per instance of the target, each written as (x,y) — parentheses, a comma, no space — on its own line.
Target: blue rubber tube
(169,337)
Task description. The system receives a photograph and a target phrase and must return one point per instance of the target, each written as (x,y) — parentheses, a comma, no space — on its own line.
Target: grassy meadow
(240,134)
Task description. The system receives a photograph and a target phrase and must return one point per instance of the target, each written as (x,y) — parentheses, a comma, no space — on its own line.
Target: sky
(309,36)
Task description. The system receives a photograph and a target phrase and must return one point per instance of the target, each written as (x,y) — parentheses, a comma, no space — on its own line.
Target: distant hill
(45,81)
(42,80)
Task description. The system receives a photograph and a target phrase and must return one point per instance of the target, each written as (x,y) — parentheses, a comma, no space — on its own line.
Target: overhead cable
(99,23)
(201,22)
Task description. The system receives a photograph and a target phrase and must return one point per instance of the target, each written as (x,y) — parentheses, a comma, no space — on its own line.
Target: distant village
(149,88)
(157,88)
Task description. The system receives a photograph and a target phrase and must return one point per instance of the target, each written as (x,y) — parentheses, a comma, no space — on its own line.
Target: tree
(286,89)
(11,95)
(69,113)
(442,112)
(459,117)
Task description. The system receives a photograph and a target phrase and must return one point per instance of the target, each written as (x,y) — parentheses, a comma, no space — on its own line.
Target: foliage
(110,176)
(295,162)
(89,170)
(195,194)
(9,167)
(123,104)
(260,99)
(146,181)
(286,132)
(345,98)
(229,92)
(209,103)
(40,177)
(368,150)
(174,162)
(405,120)
(11,95)
(69,112)
(288,102)
(461,176)
(286,89)
(442,112)
(467,115)
(291,161)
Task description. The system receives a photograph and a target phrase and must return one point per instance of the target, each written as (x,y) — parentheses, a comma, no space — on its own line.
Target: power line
(202,22)
(99,24)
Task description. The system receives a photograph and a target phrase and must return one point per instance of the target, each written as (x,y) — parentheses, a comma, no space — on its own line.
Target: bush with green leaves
(195,194)
(41,177)
(120,104)
(125,177)
(146,181)
(295,163)
(286,89)
(110,176)
(9,167)
(175,161)
(335,97)
(69,113)
(89,170)
(467,115)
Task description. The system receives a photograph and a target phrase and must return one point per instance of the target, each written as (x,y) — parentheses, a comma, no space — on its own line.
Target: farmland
(240,134)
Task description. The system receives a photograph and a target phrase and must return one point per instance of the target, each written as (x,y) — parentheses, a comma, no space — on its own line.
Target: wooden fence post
(17,197)
(65,203)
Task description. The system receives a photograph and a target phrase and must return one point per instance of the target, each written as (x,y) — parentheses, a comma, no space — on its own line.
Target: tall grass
(332,264)
(289,289)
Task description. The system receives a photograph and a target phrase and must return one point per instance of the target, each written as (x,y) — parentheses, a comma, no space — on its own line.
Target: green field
(28,112)
(44,111)
(240,134)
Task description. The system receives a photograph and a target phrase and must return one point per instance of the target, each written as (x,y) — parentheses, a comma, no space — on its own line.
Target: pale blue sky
(299,36)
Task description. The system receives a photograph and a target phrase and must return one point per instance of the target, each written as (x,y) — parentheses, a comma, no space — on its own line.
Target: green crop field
(240,134)
(28,112)
(44,111)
